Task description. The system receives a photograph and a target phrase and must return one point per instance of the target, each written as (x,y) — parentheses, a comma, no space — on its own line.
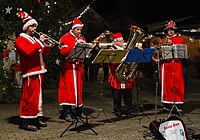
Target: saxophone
(125,71)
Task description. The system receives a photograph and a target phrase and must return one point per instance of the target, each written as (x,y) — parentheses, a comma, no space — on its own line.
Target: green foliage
(51,16)
(51,78)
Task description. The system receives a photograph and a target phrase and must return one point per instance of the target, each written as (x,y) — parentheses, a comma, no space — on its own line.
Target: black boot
(26,124)
(41,123)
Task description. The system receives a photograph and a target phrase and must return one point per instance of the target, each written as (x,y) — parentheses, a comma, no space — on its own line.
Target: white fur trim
(31,39)
(34,73)
(30,22)
(77,25)
(28,117)
(71,104)
(118,39)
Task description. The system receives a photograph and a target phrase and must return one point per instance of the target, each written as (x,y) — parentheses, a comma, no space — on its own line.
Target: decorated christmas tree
(54,18)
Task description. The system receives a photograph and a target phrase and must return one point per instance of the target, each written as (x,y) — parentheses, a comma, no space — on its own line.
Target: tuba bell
(125,71)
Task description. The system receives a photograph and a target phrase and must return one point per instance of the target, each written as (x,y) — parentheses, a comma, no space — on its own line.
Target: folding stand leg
(138,108)
(87,125)
(174,106)
(75,121)
(101,93)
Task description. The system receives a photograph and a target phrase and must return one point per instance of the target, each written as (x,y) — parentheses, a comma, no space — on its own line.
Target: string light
(82,13)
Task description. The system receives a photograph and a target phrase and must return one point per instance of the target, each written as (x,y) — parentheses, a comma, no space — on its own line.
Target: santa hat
(117,37)
(170,24)
(77,23)
(27,20)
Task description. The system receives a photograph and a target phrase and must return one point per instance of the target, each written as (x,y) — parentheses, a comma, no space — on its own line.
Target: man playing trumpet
(31,52)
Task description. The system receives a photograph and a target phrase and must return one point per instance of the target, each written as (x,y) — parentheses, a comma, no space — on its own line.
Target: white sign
(172,130)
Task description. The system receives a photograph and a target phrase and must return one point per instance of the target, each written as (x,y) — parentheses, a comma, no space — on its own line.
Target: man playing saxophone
(120,89)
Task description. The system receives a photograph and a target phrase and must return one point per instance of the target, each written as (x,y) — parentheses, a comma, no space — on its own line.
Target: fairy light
(82,13)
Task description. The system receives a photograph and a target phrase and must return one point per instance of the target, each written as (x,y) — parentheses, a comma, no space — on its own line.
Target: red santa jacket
(171,76)
(112,78)
(31,52)
(70,85)
(175,39)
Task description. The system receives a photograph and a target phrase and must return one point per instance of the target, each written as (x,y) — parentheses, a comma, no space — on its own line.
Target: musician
(71,82)
(94,68)
(172,81)
(31,53)
(120,89)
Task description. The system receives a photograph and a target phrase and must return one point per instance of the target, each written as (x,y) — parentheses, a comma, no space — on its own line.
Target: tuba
(125,71)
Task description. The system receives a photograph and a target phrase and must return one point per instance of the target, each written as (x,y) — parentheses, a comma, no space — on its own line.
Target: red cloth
(31,55)
(5,53)
(175,39)
(16,67)
(71,82)
(171,76)
(113,80)
(32,66)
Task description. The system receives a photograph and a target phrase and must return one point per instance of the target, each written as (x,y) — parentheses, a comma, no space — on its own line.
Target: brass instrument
(104,39)
(125,71)
(50,41)
(156,43)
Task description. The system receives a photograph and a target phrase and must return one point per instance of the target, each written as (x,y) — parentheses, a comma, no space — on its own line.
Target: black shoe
(118,114)
(42,124)
(68,118)
(61,117)
(130,114)
(28,127)
(83,116)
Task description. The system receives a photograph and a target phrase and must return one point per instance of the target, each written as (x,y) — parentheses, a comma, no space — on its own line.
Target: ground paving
(98,106)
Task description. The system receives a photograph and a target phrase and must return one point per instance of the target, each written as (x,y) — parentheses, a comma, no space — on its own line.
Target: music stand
(80,51)
(138,56)
(175,51)
(109,56)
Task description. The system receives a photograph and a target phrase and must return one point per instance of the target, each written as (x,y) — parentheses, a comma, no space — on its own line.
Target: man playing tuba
(120,89)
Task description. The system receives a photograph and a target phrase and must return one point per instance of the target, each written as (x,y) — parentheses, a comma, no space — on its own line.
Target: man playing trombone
(31,52)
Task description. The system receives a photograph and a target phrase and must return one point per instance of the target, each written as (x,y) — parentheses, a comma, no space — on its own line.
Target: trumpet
(50,41)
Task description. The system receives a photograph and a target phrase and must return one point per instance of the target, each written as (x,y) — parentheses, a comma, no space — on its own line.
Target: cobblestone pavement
(98,107)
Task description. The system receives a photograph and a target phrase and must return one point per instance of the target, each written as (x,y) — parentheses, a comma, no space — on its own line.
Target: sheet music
(80,51)
(175,51)
(109,56)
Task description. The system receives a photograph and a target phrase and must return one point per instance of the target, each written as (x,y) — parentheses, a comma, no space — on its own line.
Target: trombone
(51,41)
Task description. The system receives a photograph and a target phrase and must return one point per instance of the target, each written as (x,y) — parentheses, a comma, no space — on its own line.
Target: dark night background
(123,13)
(145,11)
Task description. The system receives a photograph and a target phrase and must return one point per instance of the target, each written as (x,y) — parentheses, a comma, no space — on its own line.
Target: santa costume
(71,82)
(31,53)
(171,75)
(120,89)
